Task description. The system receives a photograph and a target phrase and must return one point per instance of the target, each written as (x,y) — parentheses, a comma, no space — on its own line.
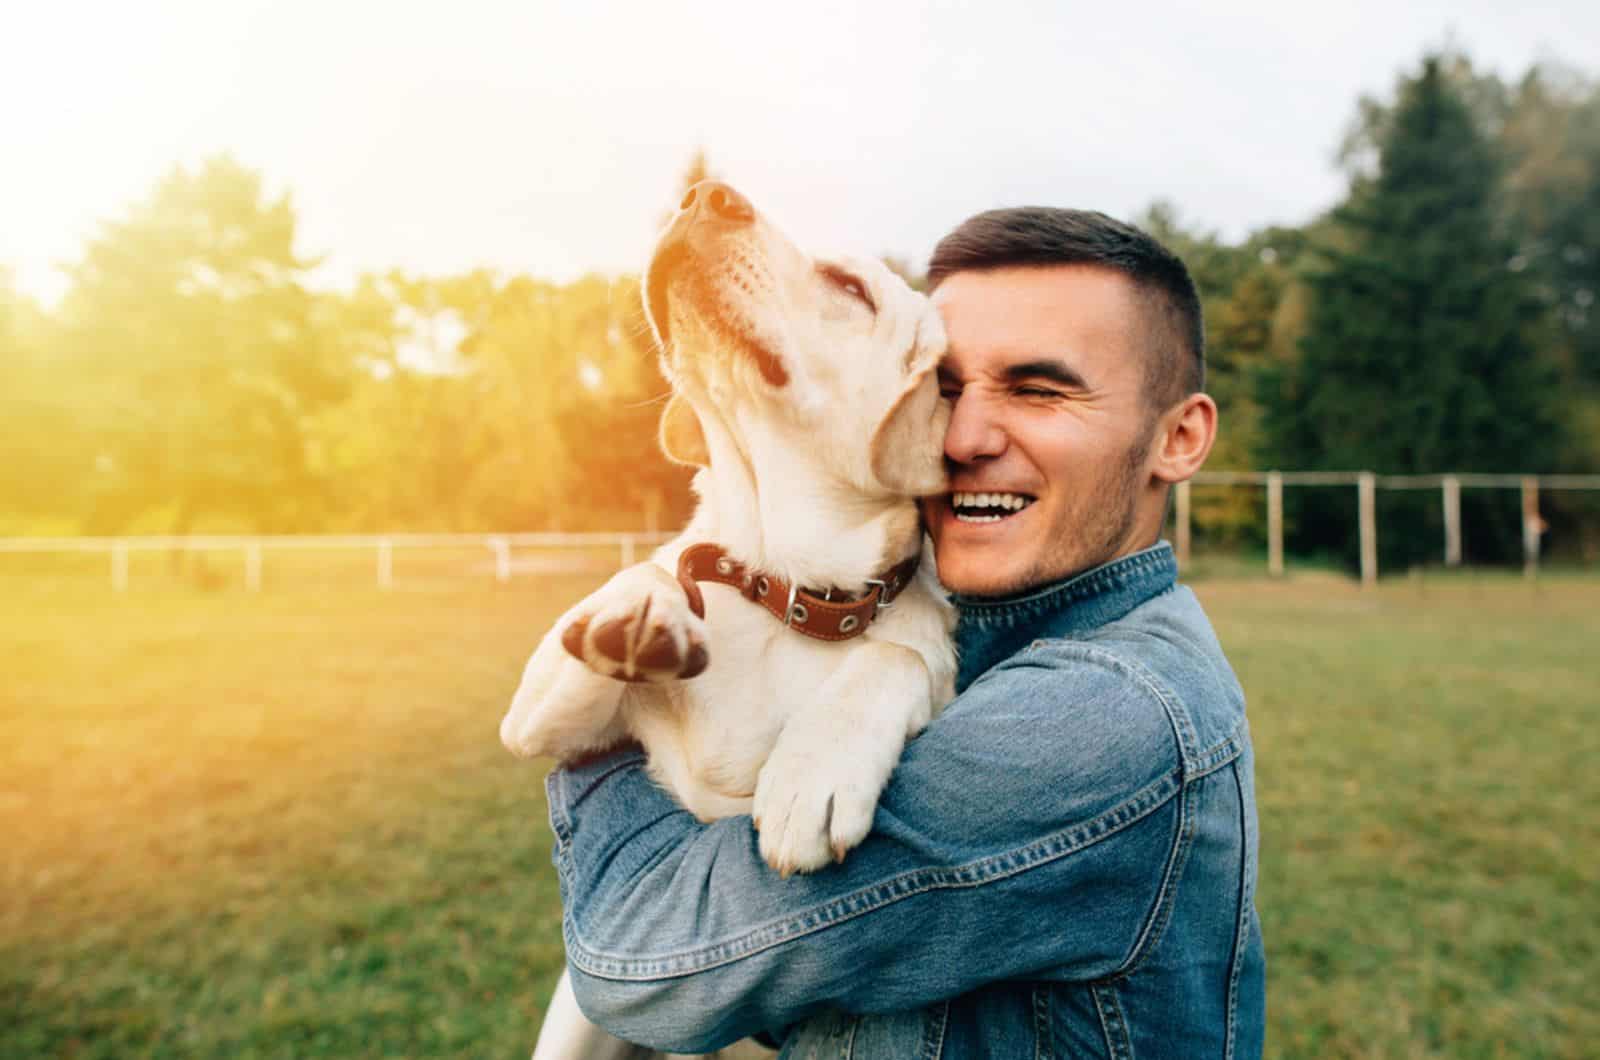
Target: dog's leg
(562,707)
(567,1034)
(636,627)
(819,788)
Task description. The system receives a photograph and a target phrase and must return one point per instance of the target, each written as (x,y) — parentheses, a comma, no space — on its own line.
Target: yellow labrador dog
(774,658)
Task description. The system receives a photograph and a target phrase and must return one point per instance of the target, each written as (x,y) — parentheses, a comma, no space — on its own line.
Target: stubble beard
(1101,522)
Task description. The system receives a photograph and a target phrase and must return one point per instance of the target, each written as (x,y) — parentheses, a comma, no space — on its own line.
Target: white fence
(1367,484)
(382,546)
(628,545)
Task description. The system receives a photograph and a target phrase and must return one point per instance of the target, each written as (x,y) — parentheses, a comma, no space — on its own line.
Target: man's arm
(1028,833)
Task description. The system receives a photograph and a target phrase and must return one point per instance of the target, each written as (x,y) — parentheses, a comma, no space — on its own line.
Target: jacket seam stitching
(1113,1025)
(1042,1048)
(897,888)
(556,796)
(1242,924)
(933,1036)
(1155,924)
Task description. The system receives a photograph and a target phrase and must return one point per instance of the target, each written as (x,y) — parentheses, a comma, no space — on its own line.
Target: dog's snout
(719,200)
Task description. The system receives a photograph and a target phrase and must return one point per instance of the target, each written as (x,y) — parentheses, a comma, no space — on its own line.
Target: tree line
(1441,317)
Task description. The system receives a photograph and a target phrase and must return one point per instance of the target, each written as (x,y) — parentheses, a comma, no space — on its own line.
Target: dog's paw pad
(572,636)
(657,649)
(647,635)
(616,639)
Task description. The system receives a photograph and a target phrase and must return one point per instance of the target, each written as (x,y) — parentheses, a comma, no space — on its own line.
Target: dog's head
(837,354)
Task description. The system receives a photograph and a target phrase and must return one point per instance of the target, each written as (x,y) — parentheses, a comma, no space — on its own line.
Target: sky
(550,137)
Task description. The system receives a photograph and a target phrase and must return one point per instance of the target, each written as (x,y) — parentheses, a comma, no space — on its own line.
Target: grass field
(281,824)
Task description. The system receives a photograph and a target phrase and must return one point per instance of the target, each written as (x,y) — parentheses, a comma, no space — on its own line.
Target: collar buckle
(883,591)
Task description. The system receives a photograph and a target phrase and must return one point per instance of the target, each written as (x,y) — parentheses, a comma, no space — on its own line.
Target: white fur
(800,732)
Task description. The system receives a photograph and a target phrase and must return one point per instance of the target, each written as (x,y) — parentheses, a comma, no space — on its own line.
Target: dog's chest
(709,737)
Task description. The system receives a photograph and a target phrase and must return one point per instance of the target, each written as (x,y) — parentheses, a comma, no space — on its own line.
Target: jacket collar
(991,629)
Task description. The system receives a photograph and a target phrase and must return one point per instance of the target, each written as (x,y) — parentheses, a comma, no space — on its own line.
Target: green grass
(281,824)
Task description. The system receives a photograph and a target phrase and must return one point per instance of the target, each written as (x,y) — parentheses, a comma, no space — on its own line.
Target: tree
(1545,131)
(42,458)
(1551,141)
(1420,353)
(1242,288)
(189,340)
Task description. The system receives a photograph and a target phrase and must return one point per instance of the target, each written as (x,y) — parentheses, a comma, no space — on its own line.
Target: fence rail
(1367,484)
(629,544)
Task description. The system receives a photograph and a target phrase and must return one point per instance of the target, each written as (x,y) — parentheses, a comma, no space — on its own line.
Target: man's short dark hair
(1042,235)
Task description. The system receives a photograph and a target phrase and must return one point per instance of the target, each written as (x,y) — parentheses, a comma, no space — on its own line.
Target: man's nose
(974,433)
(712,200)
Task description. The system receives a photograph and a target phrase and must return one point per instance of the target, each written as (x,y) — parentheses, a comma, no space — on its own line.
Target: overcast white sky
(549,137)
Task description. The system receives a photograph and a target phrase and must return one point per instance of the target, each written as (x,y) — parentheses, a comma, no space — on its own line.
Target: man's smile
(987,507)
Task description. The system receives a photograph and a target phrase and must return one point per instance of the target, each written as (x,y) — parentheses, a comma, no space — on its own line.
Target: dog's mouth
(697,285)
(988,507)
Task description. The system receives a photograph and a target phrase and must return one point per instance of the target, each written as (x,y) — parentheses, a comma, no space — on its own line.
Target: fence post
(385,564)
(1275,523)
(252,566)
(1532,526)
(1183,523)
(627,550)
(502,559)
(119,566)
(1452,521)
(1366,486)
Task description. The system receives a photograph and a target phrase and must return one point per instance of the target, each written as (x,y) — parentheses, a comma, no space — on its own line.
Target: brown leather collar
(802,610)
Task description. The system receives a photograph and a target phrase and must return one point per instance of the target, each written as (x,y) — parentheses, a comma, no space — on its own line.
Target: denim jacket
(1063,864)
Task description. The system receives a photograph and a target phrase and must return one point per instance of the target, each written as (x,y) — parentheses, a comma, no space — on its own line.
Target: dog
(775,657)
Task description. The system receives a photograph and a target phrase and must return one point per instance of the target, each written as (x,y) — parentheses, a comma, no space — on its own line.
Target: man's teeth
(1014,501)
(987,507)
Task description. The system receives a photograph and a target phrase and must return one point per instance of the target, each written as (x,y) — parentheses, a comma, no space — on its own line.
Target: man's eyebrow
(1046,368)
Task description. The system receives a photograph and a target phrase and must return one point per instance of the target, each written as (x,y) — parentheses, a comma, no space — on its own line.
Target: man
(1064,862)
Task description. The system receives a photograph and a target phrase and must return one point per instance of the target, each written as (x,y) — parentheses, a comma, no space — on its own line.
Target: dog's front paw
(813,801)
(638,627)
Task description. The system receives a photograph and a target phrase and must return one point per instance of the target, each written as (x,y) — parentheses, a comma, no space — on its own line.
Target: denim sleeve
(1028,833)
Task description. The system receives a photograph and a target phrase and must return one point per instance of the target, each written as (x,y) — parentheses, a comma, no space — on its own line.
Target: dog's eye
(847,283)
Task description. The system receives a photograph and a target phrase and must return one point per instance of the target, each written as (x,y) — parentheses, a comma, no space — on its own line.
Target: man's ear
(1185,438)
(680,435)
(908,445)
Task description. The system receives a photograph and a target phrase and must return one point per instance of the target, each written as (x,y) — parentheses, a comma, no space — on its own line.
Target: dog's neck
(778,509)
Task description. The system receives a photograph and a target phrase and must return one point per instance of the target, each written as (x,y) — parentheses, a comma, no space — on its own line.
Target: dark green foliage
(1551,140)
(1420,351)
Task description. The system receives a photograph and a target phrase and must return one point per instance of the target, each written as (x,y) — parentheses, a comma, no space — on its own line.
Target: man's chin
(971,576)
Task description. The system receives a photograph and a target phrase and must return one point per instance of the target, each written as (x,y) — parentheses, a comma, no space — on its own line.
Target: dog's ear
(908,446)
(680,434)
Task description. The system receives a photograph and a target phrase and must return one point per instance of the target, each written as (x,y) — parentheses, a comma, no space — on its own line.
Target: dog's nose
(719,200)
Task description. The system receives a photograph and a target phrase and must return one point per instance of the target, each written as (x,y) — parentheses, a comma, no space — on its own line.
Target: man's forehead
(995,319)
